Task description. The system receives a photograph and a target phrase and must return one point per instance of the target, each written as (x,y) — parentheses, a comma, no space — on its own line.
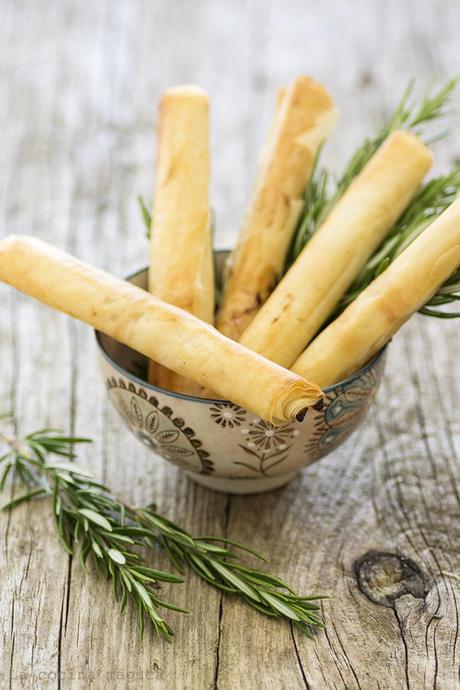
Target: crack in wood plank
(226,520)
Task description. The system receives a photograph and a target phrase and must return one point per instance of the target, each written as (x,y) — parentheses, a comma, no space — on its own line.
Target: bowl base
(241,486)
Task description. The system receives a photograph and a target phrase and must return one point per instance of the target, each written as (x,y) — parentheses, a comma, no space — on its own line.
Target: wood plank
(34,569)
(77,122)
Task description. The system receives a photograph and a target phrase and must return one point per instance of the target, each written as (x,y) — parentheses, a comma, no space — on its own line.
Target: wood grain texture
(376,524)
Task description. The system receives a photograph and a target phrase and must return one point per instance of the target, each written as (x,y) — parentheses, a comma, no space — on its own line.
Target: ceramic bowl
(219,444)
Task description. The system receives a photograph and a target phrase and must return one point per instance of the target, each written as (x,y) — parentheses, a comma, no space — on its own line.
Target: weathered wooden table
(79,85)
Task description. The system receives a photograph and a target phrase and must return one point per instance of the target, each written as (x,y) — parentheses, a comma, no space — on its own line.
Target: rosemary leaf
(146,215)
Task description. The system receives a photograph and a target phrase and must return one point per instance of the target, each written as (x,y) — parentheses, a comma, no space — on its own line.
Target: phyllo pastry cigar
(323,271)
(305,115)
(169,335)
(181,259)
(381,309)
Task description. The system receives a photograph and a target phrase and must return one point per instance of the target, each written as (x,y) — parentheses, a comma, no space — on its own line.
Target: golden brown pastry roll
(381,309)
(160,331)
(357,224)
(181,259)
(305,115)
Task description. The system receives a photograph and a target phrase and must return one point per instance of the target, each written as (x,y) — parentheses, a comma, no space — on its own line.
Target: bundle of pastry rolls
(279,319)
(269,350)
(307,294)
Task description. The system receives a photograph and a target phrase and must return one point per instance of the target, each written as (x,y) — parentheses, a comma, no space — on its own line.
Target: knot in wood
(384,577)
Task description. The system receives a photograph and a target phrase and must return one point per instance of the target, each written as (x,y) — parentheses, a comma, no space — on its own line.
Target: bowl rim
(184,396)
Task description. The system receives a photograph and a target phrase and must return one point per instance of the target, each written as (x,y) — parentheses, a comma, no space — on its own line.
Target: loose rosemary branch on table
(108,532)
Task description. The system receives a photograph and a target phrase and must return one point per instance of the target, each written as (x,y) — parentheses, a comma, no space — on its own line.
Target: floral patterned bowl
(219,444)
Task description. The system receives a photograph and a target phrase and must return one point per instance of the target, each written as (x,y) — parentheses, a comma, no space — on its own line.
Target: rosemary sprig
(407,115)
(108,532)
(146,215)
(86,515)
(219,566)
(432,199)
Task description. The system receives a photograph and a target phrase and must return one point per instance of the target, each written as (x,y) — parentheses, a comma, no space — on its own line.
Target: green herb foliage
(146,215)
(92,522)
(433,198)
